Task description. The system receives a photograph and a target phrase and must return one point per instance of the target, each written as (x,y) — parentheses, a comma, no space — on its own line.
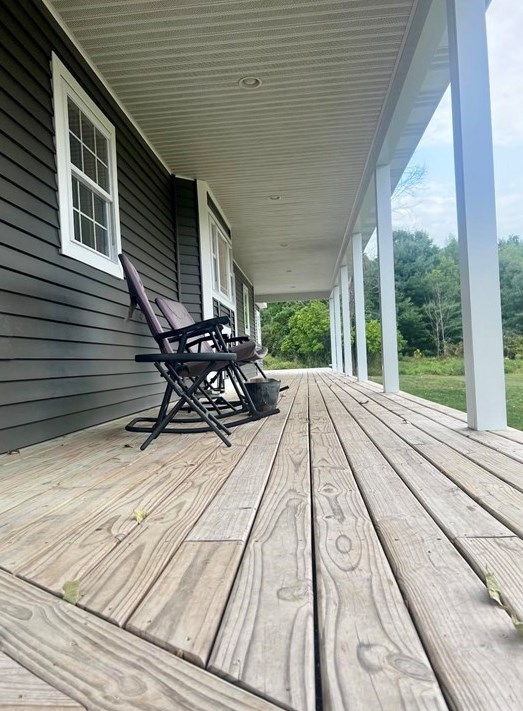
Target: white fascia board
(56,16)
(294,296)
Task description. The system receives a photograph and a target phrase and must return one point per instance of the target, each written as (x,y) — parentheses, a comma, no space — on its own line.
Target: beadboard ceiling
(305,134)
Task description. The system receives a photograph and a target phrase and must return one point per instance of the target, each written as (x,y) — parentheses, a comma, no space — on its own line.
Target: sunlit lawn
(450,390)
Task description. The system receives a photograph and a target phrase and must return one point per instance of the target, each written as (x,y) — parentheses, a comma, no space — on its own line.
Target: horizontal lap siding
(188,241)
(66,351)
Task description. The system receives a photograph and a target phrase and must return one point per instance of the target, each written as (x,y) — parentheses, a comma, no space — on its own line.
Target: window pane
(102,176)
(100,213)
(75,192)
(102,243)
(101,147)
(74,117)
(77,234)
(224,264)
(88,133)
(89,164)
(87,232)
(76,151)
(86,200)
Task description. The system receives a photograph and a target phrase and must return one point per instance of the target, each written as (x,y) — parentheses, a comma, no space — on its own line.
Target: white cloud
(432,208)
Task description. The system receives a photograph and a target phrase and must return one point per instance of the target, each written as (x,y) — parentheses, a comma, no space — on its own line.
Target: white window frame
(227,300)
(246,303)
(64,86)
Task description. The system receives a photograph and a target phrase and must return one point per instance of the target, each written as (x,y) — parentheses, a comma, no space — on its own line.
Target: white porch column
(476,208)
(389,339)
(337,328)
(332,330)
(359,307)
(345,312)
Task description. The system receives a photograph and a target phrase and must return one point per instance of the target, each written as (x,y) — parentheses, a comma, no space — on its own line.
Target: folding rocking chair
(174,368)
(214,341)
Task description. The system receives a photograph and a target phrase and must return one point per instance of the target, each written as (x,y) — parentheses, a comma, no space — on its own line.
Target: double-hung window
(246,310)
(87,181)
(221,256)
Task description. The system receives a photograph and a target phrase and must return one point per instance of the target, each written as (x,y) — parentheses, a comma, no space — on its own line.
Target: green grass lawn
(450,390)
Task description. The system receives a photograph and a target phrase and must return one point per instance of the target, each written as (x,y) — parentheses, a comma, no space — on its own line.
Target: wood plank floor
(335,558)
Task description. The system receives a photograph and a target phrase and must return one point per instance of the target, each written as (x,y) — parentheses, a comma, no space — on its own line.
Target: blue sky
(432,207)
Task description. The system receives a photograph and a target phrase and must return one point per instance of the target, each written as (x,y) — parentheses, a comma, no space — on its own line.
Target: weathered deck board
(20,690)
(178,613)
(460,517)
(103,667)
(477,656)
(369,650)
(118,583)
(266,639)
(409,513)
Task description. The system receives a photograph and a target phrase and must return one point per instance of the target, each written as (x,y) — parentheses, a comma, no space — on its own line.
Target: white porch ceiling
(326,66)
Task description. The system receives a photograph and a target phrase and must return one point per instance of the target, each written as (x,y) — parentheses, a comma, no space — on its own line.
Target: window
(246,310)
(222,273)
(87,183)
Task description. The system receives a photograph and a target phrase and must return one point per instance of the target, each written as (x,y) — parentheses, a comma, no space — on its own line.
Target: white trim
(52,10)
(345,314)
(235,263)
(65,85)
(389,329)
(246,293)
(337,328)
(208,292)
(359,307)
(476,211)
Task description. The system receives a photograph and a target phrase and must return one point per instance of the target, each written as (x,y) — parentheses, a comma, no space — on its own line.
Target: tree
(308,337)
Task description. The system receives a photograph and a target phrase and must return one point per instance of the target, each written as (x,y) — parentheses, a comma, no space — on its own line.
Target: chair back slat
(139,298)
(177,316)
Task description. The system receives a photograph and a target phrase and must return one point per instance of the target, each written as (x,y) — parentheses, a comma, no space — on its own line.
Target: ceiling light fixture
(274,198)
(284,244)
(250,83)
(289,271)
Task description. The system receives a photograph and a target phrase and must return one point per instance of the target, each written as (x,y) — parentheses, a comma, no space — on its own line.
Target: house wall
(188,241)
(67,354)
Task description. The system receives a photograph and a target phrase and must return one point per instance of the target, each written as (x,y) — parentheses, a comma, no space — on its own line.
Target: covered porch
(335,557)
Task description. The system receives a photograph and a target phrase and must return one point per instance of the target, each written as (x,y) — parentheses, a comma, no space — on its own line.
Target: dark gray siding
(220,310)
(188,241)
(66,353)
(240,280)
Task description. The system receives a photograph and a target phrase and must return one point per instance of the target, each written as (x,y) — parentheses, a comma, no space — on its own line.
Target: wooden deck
(335,557)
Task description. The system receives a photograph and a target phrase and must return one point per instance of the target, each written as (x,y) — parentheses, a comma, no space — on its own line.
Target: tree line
(428,305)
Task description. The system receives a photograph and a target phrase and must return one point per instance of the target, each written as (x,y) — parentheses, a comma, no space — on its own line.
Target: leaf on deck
(493,588)
(140,515)
(518,624)
(71,591)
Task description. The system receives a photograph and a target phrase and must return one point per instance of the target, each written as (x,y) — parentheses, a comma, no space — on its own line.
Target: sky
(432,206)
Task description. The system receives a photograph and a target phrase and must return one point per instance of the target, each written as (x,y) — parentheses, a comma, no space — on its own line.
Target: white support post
(389,330)
(345,302)
(476,208)
(337,329)
(359,307)
(332,330)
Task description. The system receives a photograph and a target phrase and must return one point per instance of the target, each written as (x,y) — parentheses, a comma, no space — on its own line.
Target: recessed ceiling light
(289,271)
(274,198)
(293,287)
(284,244)
(250,82)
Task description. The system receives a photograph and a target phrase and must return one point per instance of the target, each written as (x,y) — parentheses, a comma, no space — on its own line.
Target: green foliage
(373,333)
(298,332)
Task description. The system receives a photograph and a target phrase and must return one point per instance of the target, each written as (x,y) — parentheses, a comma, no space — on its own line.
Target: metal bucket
(264,393)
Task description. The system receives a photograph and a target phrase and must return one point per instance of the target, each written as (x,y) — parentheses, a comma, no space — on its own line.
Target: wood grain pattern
(266,640)
(116,585)
(183,610)
(369,650)
(20,690)
(476,654)
(103,667)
